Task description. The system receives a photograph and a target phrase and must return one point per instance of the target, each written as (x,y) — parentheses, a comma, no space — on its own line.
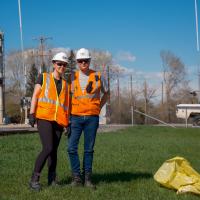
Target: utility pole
(22,46)
(145,100)
(118,98)
(162,100)
(2,78)
(41,53)
(197,29)
(132,115)
(198,94)
(197,43)
(108,101)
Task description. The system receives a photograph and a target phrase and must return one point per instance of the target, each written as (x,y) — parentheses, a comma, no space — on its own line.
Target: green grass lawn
(124,165)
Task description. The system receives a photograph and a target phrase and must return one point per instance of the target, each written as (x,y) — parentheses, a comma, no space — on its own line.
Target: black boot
(34,183)
(88,181)
(52,179)
(76,181)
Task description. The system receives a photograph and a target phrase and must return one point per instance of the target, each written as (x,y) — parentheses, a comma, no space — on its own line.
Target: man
(86,104)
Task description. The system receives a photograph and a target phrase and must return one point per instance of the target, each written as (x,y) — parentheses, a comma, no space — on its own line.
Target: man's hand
(32,119)
(67,130)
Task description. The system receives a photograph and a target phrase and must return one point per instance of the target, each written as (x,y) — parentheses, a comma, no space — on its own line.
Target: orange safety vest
(84,103)
(50,106)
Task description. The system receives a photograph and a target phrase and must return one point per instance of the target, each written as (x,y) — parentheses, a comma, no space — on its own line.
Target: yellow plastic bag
(178,174)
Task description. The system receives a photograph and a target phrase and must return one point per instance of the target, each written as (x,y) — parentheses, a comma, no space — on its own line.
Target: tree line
(174,88)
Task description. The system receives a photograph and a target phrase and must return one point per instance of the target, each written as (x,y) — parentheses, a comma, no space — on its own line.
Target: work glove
(32,119)
(67,130)
(89,87)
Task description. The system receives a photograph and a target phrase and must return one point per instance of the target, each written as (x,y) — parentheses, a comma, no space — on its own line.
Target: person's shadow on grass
(120,176)
(114,177)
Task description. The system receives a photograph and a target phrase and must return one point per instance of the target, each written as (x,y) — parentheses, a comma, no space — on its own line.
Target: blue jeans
(89,125)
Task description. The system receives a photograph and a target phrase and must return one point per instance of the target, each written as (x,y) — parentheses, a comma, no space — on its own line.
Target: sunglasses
(61,64)
(83,60)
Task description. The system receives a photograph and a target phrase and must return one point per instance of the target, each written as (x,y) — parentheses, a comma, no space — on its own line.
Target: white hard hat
(83,54)
(61,57)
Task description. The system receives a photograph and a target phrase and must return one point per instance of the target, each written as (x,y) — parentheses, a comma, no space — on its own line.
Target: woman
(49,107)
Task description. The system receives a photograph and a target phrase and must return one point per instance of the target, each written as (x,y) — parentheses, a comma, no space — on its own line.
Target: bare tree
(149,94)
(173,75)
(184,95)
(100,59)
(15,73)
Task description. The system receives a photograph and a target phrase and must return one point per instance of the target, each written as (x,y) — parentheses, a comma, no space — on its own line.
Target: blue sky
(134,31)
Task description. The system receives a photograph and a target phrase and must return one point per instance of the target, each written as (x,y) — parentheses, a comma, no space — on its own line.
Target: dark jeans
(50,134)
(89,125)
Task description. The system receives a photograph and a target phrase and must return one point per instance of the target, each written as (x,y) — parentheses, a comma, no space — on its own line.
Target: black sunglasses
(61,64)
(83,60)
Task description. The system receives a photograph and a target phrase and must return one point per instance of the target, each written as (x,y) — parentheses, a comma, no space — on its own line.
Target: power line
(2,78)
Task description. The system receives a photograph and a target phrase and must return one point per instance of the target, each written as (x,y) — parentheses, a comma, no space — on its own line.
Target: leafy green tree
(31,80)
(44,68)
(72,65)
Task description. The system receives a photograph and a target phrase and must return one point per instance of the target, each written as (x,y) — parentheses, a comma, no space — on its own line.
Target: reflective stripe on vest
(89,96)
(45,99)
